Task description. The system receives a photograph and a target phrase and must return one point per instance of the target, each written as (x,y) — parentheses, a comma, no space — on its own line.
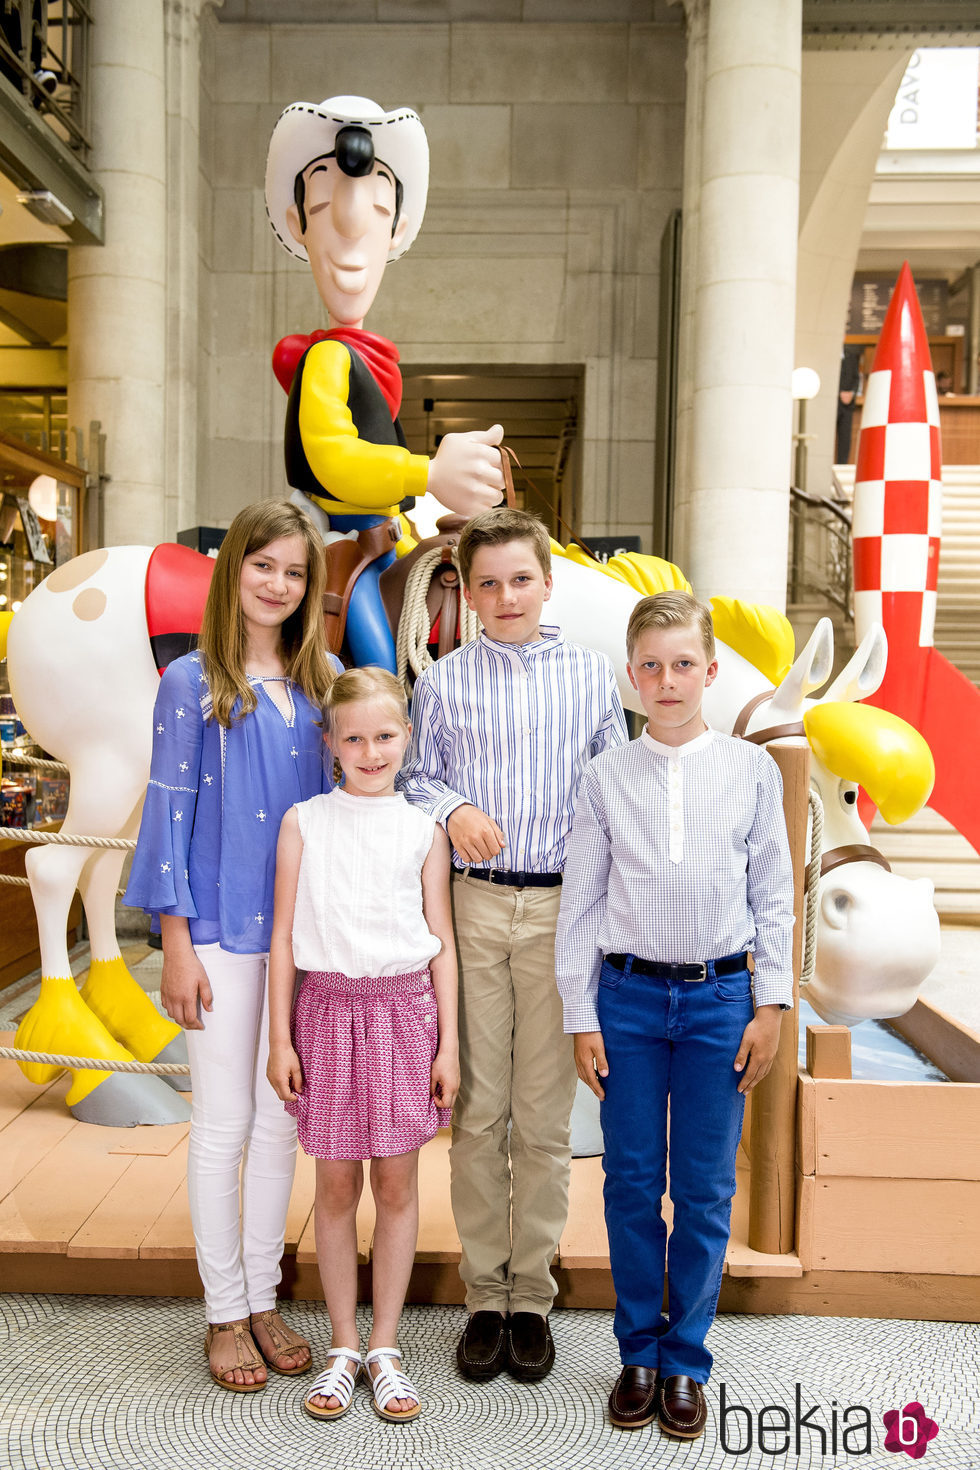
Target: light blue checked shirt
(677,855)
(509,728)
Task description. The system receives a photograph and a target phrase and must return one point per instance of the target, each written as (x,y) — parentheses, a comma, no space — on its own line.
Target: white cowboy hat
(307,130)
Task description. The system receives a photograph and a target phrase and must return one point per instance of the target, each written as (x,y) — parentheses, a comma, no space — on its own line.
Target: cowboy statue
(345,190)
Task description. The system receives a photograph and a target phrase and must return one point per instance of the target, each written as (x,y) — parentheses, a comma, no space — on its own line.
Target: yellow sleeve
(358,474)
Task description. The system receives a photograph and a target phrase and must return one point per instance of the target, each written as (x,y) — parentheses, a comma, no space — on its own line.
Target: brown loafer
(482,1350)
(530,1347)
(635,1399)
(683,1411)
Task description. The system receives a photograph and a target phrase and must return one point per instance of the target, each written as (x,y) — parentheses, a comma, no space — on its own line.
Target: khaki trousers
(509,1194)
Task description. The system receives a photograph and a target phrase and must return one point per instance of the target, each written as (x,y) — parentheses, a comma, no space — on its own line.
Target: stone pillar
(736,518)
(182,40)
(117,292)
(697,41)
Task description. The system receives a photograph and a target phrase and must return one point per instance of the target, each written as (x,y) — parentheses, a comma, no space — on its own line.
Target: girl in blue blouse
(236,743)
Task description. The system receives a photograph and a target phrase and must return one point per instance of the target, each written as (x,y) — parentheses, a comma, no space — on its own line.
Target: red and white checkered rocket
(897,528)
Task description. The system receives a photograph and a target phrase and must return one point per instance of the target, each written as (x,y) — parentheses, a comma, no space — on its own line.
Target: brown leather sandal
(285,1342)
(247,1357)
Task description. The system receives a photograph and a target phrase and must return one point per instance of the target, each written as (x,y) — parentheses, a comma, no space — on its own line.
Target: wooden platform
(93,1210)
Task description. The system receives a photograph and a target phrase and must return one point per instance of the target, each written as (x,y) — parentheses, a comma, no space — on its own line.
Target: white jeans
(238,1214)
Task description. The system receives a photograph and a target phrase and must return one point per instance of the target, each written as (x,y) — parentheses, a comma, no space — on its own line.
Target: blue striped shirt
(509,728)
(678,854)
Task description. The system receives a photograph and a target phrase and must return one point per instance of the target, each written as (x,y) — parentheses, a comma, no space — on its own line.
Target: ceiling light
(47,207)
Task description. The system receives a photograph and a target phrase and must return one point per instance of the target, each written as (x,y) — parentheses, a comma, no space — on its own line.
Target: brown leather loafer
(530,1347)
(635,1399)
(482,1350)
(683,1411)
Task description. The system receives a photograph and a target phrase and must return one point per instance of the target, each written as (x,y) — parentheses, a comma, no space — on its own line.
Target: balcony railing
(821,569)
(44,56)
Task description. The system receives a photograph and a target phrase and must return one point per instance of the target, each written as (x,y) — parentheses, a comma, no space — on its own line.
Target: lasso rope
(812,886)
(92,1064)
(415,625)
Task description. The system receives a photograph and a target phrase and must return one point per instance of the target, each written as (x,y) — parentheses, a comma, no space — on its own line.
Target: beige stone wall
(557,154)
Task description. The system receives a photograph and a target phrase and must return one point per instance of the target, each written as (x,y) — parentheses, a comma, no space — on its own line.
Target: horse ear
(864,671)
(811,670)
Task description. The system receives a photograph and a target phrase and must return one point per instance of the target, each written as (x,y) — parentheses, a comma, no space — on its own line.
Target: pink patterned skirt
(366,1047)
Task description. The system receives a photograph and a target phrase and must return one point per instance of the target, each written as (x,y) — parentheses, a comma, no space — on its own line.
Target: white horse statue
(84,681)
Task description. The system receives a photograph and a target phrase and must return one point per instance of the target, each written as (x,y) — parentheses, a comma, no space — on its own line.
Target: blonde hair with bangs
(355,686)
(223,643)
(671,610)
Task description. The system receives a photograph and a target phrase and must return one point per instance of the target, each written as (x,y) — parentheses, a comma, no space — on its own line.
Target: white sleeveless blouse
(359,895)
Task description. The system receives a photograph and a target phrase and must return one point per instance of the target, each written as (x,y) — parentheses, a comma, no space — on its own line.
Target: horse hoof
(175,1052)
(127,1012)
(60,1022)
(126,1099)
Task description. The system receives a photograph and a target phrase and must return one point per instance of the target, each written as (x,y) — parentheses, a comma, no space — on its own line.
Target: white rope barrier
(93,1064)
(16,882)
(66,839)
(35,762)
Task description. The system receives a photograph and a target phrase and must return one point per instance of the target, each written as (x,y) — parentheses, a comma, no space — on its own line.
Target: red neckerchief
(380,355)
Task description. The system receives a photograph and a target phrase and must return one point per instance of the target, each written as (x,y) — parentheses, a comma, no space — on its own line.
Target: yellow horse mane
(762,635)
(645,574)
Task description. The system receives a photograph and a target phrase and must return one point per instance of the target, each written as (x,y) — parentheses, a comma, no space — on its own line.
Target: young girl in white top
(370,1065)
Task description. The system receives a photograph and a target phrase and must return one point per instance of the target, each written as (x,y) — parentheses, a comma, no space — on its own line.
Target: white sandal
(336,1382)
(391,1383)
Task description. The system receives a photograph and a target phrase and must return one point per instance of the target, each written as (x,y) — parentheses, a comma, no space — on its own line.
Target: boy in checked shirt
(678,864)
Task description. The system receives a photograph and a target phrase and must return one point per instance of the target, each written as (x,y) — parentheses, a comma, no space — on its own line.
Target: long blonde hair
(223,644)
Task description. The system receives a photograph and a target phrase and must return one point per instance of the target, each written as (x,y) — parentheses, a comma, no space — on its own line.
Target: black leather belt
(730,964)
(511,880)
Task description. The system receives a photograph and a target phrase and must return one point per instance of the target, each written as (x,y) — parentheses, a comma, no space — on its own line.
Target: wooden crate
(889,1172)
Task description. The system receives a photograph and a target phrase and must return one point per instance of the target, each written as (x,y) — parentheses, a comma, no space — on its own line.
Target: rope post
(772,1190)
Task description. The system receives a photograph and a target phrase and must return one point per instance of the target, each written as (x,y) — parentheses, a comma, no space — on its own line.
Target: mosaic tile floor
(102,1383)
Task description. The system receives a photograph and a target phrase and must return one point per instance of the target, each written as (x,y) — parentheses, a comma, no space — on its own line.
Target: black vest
(372,420)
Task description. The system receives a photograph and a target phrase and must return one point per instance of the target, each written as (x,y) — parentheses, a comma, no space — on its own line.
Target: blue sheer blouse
(207,843)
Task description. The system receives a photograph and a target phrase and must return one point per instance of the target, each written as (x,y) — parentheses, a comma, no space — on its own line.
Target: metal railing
(44,55)
(821,566)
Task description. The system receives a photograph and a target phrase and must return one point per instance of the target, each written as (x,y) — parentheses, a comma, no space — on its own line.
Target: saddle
(442,597)
(347,558)
(175,591)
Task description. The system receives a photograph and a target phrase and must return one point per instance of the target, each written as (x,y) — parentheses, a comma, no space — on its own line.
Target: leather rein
(834,857)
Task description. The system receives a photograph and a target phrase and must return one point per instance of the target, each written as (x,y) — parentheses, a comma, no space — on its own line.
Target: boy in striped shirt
(503,729)
(678,864)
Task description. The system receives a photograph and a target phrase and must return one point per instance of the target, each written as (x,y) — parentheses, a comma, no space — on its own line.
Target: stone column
(182,40)
(697,41)
(117,292)
(736,518)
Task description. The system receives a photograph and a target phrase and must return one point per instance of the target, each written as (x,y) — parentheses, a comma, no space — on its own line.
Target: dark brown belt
(511,880)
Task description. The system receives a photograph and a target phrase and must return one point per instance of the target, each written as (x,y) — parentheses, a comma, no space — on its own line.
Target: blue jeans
(677,1041)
